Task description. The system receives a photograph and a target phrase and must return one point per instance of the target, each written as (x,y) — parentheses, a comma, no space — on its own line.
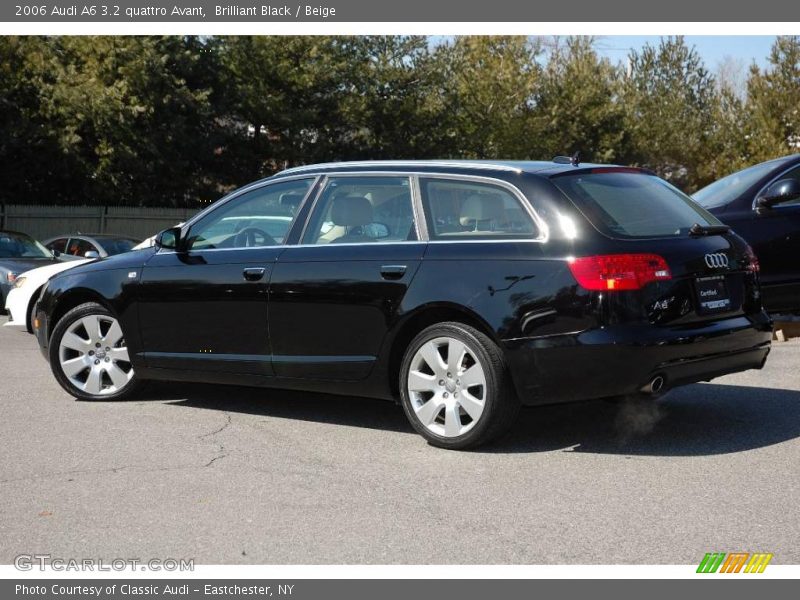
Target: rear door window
(633,205)
(467,210)
(79,247)
(360,210)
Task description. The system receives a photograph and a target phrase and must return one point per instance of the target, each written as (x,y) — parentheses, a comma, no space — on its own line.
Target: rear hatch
(663,258)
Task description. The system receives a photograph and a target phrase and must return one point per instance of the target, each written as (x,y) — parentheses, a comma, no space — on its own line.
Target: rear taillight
(752,261)
(619,271)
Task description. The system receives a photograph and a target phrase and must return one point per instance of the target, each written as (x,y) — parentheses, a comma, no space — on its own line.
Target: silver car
(74,247)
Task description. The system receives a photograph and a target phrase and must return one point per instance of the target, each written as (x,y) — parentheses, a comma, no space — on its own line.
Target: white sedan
(21,300)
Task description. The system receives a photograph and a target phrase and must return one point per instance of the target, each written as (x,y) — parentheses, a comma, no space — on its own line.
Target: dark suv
(461,289)
(762,204)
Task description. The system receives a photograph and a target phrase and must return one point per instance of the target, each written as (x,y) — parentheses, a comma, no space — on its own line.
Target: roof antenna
(575,160)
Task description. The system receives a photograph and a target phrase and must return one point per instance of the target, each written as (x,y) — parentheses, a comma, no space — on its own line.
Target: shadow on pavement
(695,420)
(284,404)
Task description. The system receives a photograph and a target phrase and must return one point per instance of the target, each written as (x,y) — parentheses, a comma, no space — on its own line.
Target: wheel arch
(418,320)
(72,298)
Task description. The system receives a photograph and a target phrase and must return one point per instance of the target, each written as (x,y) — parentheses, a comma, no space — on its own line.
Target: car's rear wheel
(32,311)
(455,387)
(89,357)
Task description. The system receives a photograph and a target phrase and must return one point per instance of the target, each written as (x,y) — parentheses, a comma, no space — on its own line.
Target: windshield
(724,190)
(633,205)
(114,246)
(17,245)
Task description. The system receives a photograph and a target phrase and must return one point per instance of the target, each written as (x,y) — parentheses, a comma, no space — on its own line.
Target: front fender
(116,289)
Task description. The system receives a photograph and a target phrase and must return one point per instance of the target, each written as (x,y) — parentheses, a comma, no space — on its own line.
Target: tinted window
(16,245)
(727,189)
(261,217)
(633,205)
(363,210)
(59,245)
(467,210)
(114,246)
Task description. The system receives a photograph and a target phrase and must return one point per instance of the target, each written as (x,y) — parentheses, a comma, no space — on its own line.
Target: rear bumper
(620,360)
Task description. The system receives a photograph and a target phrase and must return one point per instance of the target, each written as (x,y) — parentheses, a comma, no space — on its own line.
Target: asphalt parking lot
(235,475)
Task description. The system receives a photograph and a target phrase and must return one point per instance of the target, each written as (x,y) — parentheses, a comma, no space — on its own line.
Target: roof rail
(465,164)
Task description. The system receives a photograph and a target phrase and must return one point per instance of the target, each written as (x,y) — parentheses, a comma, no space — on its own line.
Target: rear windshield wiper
(697,229)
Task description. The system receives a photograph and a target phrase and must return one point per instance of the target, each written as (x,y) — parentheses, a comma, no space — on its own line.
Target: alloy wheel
(447,386)
(93,356)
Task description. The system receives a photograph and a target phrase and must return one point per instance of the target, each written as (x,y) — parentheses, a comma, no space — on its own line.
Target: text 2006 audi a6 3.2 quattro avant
(463,289)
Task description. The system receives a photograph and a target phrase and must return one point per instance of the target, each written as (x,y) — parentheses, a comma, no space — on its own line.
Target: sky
(713,48)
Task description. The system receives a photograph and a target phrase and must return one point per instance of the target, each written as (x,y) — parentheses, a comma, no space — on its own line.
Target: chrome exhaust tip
(655,385)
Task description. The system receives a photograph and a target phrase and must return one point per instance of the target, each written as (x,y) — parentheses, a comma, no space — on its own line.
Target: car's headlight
(20,281)
(11,277)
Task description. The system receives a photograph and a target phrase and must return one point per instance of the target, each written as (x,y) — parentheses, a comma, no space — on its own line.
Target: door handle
(253,273)
(393,272)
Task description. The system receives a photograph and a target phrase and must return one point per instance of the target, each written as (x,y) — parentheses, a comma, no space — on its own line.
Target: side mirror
(169,238)
(92,254)
(55,253)
(781,191)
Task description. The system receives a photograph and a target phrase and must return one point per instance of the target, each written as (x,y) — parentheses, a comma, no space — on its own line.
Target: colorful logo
(734,562)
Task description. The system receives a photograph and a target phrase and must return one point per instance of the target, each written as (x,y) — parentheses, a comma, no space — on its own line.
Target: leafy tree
(773,105)
(486,90)
(34,167)
(394,111)
(175,120)
(578,105)
(668,96)
(286,97)
(118,120)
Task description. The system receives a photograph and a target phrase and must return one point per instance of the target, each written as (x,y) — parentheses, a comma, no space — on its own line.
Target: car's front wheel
(88,354)
(455,387)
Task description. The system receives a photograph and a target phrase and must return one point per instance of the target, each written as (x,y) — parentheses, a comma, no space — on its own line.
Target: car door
(774,234)
(333,296)
(204,306)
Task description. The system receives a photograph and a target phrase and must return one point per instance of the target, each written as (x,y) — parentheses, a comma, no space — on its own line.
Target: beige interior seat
(353,212)
(482,212)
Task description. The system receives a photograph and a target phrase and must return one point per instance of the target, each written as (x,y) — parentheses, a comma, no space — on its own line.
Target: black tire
(500,402)
(88,309)
(32,312)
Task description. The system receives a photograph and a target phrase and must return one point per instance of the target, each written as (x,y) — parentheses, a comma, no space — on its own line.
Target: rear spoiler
(591,170)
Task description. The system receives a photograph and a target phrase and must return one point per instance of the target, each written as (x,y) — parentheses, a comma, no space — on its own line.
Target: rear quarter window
(633,205)
(466,210)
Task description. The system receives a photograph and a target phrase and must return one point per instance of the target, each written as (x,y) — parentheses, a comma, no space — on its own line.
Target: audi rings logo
(717,260)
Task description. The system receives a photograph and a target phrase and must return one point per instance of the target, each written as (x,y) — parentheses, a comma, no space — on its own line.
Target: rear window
(633,205)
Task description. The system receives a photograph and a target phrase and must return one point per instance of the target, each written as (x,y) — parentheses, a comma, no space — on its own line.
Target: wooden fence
(43,222)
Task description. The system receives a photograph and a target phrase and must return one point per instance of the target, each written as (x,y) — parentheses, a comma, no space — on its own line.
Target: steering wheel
(251,237)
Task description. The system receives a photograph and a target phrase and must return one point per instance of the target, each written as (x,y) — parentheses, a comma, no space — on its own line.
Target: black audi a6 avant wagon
(461,289)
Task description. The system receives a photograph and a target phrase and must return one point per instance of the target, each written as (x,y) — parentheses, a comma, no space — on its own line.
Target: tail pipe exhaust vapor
(654,386)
